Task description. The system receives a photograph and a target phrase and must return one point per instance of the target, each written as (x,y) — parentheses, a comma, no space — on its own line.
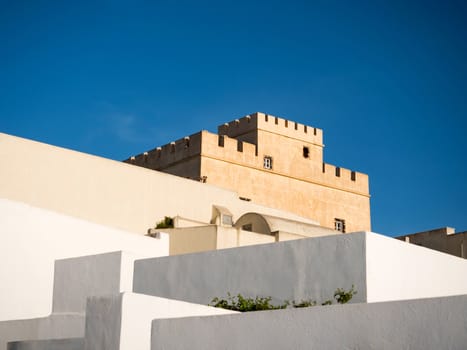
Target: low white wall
(56,326)
(294,270)
(31,239)
(139,310)
(426,324)
(398,270)
(123,322)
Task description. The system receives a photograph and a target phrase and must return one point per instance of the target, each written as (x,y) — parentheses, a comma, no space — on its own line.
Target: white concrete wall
(294,270)
(56,326)
(31,239)
(123,322)
(399,270)
(139,310)
(426,324)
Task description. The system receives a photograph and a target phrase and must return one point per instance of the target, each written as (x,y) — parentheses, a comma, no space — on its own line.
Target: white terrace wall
(107,192)
(381,269)
(399,270)
(31,239)
(123,321)
(293,270)
(426,324)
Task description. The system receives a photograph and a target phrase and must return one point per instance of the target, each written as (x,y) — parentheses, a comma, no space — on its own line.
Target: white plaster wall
(399,270)
(426,324)
(293,270)
(139,310)
(123,321)
(59,326)
(31,239)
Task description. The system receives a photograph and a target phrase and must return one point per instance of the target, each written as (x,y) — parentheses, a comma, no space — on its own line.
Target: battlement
(246,128)
(234,150)
(168,154)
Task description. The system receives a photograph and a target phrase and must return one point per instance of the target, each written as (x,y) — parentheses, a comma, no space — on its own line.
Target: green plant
(167,222)
(245,304)
(342,296)
(304,303)
(242,304)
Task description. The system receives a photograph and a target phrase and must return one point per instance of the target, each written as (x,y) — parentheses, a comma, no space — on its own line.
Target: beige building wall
(299,181)
(444,239)
(108,192)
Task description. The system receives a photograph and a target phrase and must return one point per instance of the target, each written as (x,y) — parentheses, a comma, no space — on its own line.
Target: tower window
(267,162)
(339,225)
(306,152)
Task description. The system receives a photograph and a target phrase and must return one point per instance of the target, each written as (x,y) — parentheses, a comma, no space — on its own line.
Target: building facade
(443,239)
(272,162)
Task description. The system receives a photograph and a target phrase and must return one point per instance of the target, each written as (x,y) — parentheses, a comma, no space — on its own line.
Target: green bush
(343,296)
(245,304)
(242,304)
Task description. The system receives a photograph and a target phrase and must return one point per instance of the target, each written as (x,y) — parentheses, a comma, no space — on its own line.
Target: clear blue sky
(385,80)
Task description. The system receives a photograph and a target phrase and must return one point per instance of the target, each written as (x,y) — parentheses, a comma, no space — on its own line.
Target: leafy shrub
(303,303)
(343,296)
(243,304)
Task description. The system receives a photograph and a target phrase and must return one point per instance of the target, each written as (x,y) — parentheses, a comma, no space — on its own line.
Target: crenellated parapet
(231,146)
(271,161)
(169,154)
(247,127)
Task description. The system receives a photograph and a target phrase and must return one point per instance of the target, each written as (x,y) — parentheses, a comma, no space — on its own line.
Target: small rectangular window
(353,176)
(306,152)
(339,225)
(267,162)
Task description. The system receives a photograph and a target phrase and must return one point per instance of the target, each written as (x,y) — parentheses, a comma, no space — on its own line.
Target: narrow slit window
(306,152)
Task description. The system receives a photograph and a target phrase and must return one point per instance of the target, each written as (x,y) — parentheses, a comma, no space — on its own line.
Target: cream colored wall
(301,185)
(317,202)
(246,238)
(211,237)
(191,239)
(107,192)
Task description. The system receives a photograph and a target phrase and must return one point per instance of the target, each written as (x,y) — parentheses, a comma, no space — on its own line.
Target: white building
(78,271)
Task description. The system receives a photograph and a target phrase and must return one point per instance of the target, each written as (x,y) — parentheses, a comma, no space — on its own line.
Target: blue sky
(385,80)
